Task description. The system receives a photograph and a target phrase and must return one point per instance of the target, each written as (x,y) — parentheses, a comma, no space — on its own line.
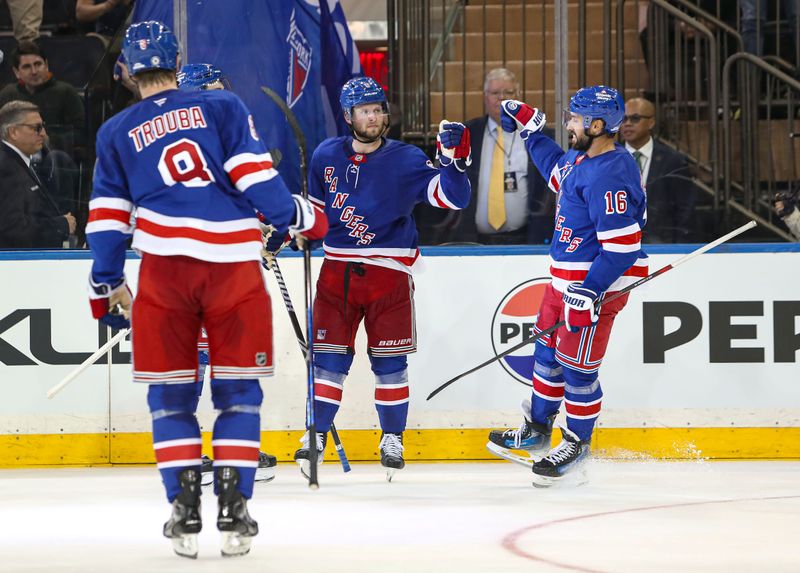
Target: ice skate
(302,455)
(206,470)
(266,467)
(233,520)
(564,463)
(391,447)
(185,522)
(531,438)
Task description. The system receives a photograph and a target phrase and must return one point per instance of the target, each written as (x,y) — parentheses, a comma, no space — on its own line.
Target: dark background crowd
(59,80)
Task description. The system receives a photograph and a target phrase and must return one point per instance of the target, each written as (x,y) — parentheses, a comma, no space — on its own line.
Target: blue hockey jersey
(192,167)
(369,199)
(600,214)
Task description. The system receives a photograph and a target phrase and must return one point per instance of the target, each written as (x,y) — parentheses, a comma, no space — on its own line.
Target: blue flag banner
(299,49)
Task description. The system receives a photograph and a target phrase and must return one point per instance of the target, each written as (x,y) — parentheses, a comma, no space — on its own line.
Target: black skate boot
(206,470)
(236,525)
(185,522)
(266,467)
(531,437)
(568,457)
(392,453)
(302,455)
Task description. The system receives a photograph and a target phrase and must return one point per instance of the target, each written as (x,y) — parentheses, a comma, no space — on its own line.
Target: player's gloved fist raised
(518,115)
(310,220)
(111,303)
(579,307)
(453,141)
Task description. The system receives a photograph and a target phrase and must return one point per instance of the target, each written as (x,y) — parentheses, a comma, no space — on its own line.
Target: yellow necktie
(497,200)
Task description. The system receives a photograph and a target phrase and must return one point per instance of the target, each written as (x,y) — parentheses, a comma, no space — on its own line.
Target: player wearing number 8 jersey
(596,249)
(192,166)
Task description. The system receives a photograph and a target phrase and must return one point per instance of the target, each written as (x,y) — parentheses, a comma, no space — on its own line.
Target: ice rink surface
(633,516)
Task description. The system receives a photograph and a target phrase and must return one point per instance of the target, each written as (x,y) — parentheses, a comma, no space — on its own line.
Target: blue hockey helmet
(599,102)
(150,46)
(198,77)
(361,90)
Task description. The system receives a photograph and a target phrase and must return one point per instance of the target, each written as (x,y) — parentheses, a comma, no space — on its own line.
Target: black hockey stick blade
(616,295)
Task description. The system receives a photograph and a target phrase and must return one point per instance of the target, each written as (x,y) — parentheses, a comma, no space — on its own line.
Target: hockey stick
(313,482)
(86,363)
(627,289)
(298,332)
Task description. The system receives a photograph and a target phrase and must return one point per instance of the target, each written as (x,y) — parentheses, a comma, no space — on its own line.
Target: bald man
(671,194)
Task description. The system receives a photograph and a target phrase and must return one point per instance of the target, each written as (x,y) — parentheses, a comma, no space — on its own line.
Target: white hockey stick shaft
(712,244)
(86,363)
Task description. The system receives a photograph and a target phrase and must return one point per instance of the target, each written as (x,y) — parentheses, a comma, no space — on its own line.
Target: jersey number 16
(616,202)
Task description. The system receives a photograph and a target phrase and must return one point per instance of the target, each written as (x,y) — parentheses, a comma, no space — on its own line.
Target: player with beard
(595,251)
(369,186)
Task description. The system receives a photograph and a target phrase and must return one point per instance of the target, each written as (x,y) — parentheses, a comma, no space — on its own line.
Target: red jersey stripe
(102,214)
(228,238)
(248,168)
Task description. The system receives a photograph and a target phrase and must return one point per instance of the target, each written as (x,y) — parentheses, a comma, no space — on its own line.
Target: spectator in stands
(26,18)
(754,16)
(510,203)
(107,15)
(671,193)
(786,209)
(29,217)
(60,105)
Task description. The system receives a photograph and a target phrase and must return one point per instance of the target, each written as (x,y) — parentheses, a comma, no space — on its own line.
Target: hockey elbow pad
(310,221)
(111,303)
(579,307)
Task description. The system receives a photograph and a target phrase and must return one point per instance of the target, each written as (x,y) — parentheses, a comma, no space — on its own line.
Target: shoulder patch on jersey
(253,132)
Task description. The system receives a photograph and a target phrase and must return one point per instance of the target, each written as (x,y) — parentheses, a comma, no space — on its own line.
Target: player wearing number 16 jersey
(596,249)
(192,167)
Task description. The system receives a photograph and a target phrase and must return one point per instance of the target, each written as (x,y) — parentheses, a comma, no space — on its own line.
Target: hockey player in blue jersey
(193,78)
(194,169)
(368,186)
(596,249)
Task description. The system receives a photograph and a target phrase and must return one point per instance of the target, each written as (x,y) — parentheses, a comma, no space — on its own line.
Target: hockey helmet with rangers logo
(359,91)
(150,45)
(199,77)
(599,102)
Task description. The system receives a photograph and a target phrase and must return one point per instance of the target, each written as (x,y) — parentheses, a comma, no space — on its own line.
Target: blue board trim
(454,251)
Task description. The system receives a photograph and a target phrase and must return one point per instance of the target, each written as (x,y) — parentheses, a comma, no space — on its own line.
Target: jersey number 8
(183,162)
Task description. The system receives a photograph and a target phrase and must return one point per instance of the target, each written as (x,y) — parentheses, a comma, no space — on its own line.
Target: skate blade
(267,474)
(501,452)
(185,545)
(575,478)
(234,544)
(304,468)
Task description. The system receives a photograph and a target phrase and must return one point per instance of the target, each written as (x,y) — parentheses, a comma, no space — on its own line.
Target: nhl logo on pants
(261,358)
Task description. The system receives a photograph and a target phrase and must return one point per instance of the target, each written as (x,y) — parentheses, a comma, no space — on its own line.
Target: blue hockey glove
(111,304)
(518,115)
(453,141)
(579,307)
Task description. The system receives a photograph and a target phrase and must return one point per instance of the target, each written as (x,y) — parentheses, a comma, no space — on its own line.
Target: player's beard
(371,134)
(580,143)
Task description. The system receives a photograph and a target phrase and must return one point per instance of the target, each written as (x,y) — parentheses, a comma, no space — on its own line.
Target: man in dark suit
(671,194)
(511,203)
(29,217)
